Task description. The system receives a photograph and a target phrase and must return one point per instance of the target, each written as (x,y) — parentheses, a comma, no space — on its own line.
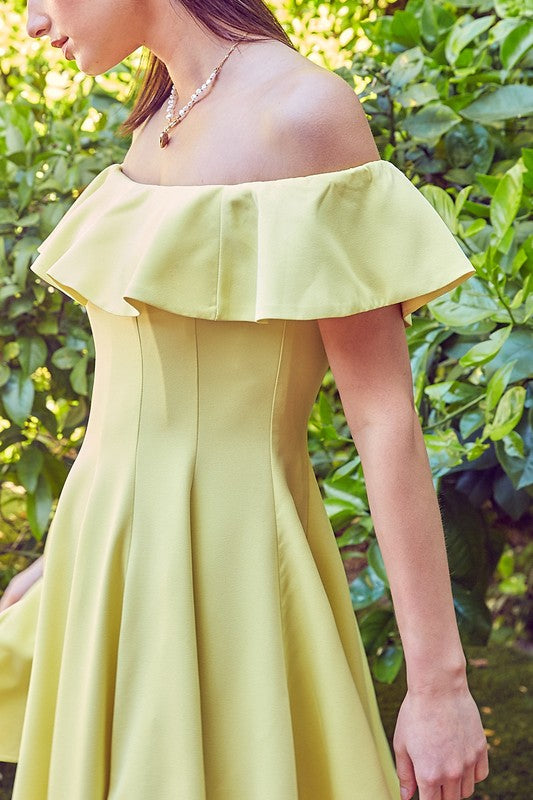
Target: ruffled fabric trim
(323,245)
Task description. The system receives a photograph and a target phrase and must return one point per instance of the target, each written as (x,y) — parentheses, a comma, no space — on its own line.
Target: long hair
(229,19)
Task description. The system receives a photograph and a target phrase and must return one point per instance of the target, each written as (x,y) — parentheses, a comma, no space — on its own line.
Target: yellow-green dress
(192,636)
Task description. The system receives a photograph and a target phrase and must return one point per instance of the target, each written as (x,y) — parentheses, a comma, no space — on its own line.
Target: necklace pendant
(163,136)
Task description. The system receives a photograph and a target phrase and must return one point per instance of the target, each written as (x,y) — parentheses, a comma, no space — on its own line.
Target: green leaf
(518,299)
(470,421)
(516,44)
(8,216)
(485,351)
(11,350)
(38,507)
(17,396)
(507,102)
(431,123)
(55,472)
(14,140)
(457,315)
(345,490)
(9,290)
(514,585)
(324,408)
(48,326)
(78,376)
(444,451)
(366,588)
(418,94)
(526,479)
(5,372)
(473,617)
(498,383)
(29,467)
(506,9)
(375,559)
(514,445)
(465,30)
(475,450)
(32,353)
(352,535)
(20,306)
(65,357)
(340,512)
(505,566)
(506,200)
(22,253)
(346,469)
(375,628)
(519,348)
(76,414)
(508,413)
(475,227)
(405,28)
(406,67)
(475,304)
(513,465)
(387,664)
(465,537)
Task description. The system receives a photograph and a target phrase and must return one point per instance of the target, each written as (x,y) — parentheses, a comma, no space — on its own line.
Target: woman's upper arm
(369,360)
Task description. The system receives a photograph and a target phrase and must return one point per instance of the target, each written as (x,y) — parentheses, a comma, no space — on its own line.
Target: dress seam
(193,479)
(109,765)
(135,457)
(274,397)
(217,289)
(195,321)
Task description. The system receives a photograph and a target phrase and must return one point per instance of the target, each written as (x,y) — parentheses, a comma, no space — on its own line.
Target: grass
(499,678)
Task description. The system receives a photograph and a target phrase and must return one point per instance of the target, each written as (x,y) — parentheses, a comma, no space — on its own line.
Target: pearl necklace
(182,113)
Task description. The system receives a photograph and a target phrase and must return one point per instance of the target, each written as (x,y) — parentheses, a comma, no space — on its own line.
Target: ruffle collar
(327,244)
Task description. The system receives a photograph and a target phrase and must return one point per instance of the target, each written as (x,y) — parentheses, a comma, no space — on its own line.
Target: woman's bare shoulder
(319,122)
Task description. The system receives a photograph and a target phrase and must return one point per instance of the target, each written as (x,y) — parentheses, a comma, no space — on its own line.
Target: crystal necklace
(197,95)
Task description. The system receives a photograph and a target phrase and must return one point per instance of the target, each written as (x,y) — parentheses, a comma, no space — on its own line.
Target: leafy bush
(448,100)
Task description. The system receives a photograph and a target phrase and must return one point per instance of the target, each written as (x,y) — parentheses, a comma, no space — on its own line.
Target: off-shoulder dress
(193,635)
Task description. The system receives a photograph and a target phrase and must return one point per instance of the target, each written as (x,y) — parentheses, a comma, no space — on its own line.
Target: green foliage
(56,134)
(447,91)
(449,100)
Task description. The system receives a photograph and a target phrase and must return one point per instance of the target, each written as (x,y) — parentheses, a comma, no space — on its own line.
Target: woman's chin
(92,69)
(87,67)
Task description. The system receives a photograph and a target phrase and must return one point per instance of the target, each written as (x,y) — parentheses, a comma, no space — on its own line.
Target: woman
(192,635)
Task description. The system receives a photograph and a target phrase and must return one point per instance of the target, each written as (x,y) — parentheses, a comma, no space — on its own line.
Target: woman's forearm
(408,526)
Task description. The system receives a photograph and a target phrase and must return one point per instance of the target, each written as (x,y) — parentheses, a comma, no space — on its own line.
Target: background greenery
(446,87)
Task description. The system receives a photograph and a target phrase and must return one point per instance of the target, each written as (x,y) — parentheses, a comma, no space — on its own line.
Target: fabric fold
(322,245)
(18,624)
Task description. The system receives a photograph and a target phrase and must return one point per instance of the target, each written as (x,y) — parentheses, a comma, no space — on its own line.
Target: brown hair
(229,19)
